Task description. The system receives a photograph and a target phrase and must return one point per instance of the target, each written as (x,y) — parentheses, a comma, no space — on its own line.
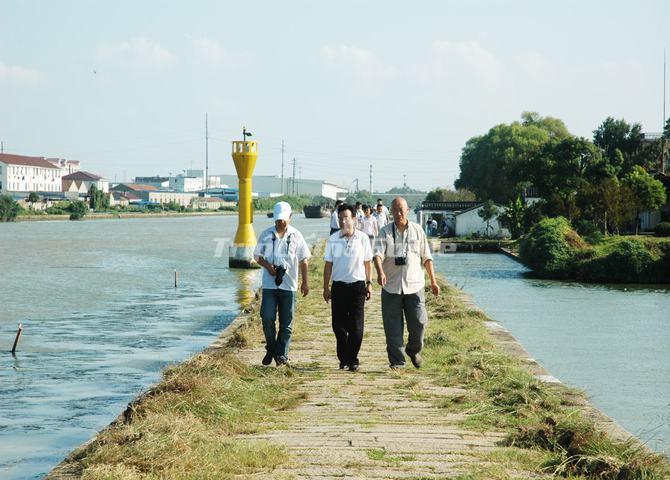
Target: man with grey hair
(401,249)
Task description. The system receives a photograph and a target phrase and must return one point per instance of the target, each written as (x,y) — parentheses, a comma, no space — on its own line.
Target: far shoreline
(119,216)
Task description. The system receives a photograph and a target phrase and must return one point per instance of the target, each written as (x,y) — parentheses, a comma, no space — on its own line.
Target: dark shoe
(267,359)
(397,366)
(281,360)
(417,360)
(343,366)
(353,368)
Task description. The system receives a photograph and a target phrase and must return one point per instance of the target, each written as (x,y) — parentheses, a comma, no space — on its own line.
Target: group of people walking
(397,249)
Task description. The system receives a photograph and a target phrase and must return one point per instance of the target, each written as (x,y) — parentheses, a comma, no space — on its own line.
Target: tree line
(605,181)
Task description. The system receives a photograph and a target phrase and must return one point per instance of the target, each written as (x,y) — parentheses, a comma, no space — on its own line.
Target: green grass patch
(183,428)
(381,455)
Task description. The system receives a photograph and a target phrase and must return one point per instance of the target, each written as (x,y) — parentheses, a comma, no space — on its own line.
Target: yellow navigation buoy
(241,252)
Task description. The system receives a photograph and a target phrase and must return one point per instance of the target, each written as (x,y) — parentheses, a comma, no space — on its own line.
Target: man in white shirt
(380,216)
(334,221)
(280,250)
(400,251)
(385,211)
(348,255)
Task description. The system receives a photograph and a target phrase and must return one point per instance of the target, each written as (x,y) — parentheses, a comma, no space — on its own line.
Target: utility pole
(206,157)
(370,180)
(282,167)
(662,169)
(293,180)
(404,180)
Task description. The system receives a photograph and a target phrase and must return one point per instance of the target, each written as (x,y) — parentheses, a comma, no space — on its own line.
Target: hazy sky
(123,86)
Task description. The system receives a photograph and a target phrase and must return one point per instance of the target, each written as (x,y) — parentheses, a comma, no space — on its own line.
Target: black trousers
(348,307)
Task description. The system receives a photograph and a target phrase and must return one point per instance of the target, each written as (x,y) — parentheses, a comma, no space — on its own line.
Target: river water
(101,319)
(613,341)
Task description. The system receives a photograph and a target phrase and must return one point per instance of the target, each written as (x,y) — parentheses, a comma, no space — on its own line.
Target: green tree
(487,213)
(490,164)
(513,217)
(9,209)
(33,198)
(362,196)
(554,126)
(447,195)
(648,193)
(97,199)
(614,136)
(563,166)
(403,190)
(77,210)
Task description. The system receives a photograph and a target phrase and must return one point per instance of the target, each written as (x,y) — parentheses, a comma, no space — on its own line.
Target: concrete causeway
(374,423)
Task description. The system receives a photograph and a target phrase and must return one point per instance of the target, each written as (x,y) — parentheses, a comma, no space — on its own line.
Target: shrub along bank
(554,250)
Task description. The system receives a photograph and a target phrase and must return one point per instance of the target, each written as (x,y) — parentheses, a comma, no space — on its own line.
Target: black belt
(345,284)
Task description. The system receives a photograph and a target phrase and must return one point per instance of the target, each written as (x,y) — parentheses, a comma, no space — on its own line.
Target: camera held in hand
(281,271)
(401,260)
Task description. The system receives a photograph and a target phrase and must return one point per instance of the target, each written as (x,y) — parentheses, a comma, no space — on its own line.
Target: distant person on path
(385,210)
(433,227)
(359,214)
(369,223)
(348,257)
(334,222)
(381,217)
(281,250)
(400,251)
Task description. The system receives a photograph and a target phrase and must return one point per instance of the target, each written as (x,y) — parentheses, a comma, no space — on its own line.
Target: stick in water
(18,335)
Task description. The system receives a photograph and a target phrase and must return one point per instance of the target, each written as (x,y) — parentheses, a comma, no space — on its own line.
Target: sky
(124,86)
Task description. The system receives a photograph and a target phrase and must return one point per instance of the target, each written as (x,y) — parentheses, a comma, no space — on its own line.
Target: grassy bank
(554,250)
(186,426)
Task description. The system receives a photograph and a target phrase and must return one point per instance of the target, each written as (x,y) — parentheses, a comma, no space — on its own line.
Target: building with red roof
(20,173)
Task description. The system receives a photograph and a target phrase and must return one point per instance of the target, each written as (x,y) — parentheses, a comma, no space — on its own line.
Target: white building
(81,182)
(461,218)
(67,167)
(183,183)
(19,173)
(214,180)
(468,222)
(162,197)
(271,185)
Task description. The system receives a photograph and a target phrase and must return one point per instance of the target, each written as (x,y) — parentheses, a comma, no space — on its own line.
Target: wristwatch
(368,282)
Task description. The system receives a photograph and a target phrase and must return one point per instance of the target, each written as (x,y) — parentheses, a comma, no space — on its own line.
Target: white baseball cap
(282,211)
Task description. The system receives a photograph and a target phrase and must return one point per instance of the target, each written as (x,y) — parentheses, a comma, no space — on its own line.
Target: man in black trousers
(348,257)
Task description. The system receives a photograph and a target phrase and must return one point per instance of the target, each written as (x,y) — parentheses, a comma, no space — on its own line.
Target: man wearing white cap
(280,250)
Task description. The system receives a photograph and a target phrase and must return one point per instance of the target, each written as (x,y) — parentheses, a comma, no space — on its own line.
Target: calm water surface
(611,341)
(101,319)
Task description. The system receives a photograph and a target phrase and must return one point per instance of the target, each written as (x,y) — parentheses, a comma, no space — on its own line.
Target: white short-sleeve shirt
(287,251)
(411,244)
(348,256)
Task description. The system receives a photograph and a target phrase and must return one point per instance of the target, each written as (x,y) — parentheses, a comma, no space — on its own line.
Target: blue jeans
(282,301)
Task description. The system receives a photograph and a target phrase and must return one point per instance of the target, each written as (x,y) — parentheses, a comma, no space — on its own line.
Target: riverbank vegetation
(553,249)
(185,427)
